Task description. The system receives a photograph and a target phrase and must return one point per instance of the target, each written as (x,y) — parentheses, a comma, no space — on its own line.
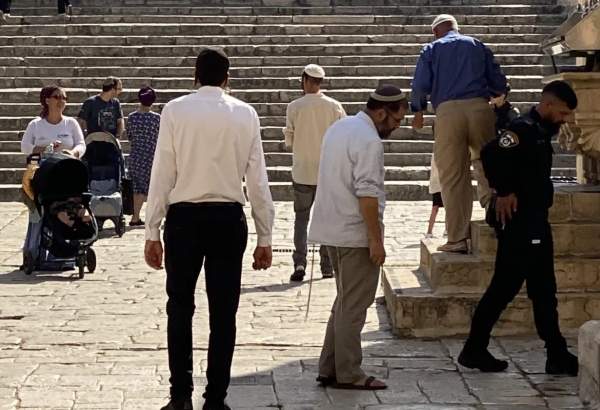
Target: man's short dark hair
(563,92)
(110,83)
(314,80)
(212,67)
(395,106)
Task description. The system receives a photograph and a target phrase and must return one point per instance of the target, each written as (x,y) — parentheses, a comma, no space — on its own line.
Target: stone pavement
(100,342)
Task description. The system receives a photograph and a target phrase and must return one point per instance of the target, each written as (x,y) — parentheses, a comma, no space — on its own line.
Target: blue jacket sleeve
(422,81)
(493,73)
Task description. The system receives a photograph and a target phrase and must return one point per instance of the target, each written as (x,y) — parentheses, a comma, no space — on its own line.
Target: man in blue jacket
(459,75)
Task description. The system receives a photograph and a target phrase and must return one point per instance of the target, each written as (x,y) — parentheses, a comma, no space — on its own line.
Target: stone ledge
(417,312)
(453,273)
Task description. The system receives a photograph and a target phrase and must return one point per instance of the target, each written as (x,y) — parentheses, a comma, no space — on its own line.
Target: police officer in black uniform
(518,166)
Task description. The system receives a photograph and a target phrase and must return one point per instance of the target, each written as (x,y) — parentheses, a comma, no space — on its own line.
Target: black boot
(179,404)
(562,362)
(215,406)
(481,359)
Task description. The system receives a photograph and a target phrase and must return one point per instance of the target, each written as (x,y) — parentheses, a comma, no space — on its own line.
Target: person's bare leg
(432,217)
(138,202)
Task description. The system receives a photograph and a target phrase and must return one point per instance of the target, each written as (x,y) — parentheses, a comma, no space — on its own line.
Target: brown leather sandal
(368,385)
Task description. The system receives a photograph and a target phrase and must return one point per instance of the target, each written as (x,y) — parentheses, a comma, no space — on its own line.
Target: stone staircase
(438,297)
(360,43)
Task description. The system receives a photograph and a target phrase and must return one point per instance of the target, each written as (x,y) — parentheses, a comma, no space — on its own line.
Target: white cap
(315,71)
(443,18)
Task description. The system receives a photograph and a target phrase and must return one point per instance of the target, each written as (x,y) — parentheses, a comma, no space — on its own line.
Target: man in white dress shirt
(348,218)
(307,119)
(208,142)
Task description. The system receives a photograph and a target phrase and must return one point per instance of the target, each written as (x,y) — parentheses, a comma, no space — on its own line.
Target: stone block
(418,312)
(454,273)
(570,239)
(589,363)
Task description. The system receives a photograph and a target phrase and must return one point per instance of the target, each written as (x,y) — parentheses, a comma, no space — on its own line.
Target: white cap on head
(315,71)
(443,18)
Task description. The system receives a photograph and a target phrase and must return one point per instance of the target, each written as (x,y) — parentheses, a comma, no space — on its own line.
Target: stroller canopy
(103,157)
(60,176)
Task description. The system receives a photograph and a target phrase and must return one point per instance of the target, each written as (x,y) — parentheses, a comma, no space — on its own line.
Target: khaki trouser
(462,128)
(356,279)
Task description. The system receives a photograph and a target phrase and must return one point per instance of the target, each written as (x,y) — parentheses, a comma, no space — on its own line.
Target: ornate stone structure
(582,134)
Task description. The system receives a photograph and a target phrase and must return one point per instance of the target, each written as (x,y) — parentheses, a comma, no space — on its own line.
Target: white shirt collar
(210,91)
(365,117)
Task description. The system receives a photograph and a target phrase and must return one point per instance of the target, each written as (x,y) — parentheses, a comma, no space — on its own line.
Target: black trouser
(525,253)
(5,6)
(62,6)
(213,234)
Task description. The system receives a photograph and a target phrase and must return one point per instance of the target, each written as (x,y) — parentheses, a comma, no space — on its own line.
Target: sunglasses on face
(59,97)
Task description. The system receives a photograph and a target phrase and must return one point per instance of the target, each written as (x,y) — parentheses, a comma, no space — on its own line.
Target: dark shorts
(437,200)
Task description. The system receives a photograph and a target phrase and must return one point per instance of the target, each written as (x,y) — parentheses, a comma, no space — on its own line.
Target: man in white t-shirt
(307,119)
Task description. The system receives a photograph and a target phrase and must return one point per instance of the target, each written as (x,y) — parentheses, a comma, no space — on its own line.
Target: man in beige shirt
(307,119)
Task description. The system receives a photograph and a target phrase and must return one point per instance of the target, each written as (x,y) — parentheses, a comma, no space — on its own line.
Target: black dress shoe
(180,404)
(482,360)
(297,276)
(562,363)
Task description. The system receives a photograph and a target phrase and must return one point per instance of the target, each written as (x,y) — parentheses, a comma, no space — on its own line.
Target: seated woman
(50,132)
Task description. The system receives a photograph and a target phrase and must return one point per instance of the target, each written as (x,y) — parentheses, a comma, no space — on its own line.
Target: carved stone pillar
(582,133)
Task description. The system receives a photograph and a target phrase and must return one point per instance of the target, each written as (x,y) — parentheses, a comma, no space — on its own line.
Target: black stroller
(67,228)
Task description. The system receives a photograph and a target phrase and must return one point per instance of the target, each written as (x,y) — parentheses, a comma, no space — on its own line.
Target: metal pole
(310,282)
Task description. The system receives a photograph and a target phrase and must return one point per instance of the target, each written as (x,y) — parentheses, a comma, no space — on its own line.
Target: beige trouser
(462,128)
(356,278)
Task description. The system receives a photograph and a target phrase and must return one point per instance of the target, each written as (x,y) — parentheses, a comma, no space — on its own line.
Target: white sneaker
(429,236)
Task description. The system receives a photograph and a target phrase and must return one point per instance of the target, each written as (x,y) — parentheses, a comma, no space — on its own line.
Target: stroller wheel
(28,263)
(81,266)
(120,226)
(90,260)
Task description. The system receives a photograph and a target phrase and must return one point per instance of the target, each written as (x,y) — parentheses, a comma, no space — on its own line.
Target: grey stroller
(106,167)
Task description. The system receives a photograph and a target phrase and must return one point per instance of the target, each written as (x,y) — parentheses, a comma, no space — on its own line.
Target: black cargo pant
(5,6)
(62,6)
(525,254)
(213,235)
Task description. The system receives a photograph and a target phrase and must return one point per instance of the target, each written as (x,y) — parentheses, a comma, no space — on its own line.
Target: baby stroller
(67,229)
(106,167)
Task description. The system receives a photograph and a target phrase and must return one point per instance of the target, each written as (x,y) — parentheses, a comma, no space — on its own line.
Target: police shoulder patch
(508,139)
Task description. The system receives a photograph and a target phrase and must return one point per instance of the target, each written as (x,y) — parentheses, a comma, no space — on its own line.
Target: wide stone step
(282,191)
(278,145)
(24,97)
(135,17)
(287,3)
(133,39)
(485,244)
(416,311)
(390,146)
(15,160)
(266,120)
(518,82)
(76,29)
(170,8)
(276,174)
(449,273)
(284,174)
(244,50)
(243,72)
(570,239)
(189,60)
